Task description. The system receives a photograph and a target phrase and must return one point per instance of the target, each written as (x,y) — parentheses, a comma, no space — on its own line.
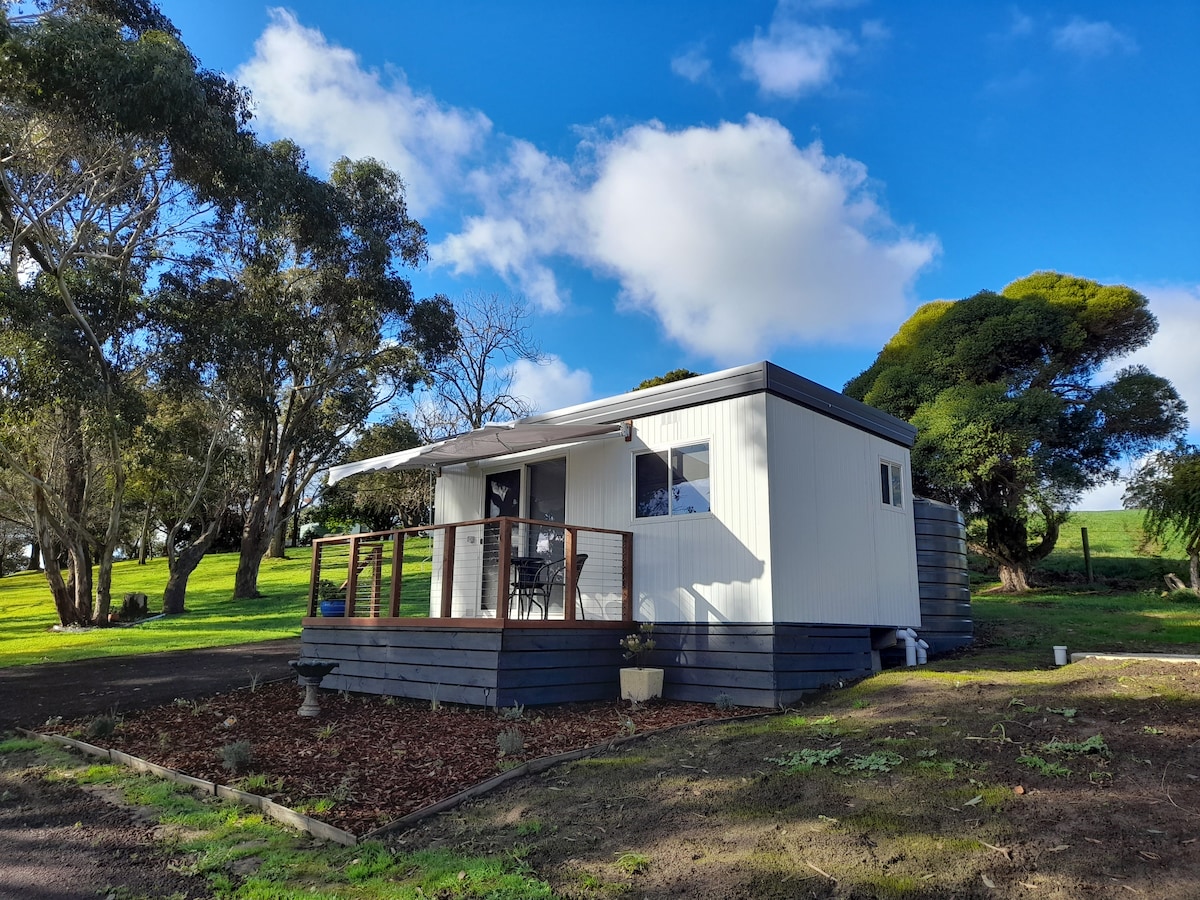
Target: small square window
(891,482)
(674,483)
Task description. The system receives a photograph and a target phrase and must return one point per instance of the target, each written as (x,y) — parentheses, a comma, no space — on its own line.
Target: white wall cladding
(811,544)
(705,568)
(839,555)
(459,498)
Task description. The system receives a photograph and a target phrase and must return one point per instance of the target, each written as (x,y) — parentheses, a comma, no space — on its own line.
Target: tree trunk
(35,557)
(1194,567)
(182,564)
(278,547)
(1013,578)
(144,538)
(256,537)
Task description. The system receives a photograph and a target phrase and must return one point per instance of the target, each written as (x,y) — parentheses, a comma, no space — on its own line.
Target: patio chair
(547,576)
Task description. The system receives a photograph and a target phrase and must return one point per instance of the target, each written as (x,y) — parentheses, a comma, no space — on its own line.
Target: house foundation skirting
(765,665)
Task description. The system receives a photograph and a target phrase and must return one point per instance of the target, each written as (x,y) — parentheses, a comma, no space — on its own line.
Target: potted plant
(332,598)
(641,683)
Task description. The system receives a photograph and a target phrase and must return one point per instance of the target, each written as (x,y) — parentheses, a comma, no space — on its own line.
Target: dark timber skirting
(478,666)
(754,665)
(758,665)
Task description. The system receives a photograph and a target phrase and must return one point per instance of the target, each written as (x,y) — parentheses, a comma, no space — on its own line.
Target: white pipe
(922,653)
(910,647)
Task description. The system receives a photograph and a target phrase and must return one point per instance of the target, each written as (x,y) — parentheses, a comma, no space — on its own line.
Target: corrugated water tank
(944,584)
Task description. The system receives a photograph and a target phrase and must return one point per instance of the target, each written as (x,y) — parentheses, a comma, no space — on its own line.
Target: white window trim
(892,464)
(707,442)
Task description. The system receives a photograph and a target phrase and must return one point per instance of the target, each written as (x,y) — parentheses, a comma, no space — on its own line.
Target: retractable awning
(482,443)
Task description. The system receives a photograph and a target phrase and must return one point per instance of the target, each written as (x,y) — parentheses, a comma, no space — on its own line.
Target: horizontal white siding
(840,556)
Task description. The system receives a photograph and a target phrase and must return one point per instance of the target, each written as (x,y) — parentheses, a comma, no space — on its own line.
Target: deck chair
(554,573)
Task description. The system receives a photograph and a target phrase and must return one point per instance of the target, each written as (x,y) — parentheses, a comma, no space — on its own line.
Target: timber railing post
(448,571)
(352,577)
(504,578)
(314,576)
(627,576)
(397,573)
(570,580)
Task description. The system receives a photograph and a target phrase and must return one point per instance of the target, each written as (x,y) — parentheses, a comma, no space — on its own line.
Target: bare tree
(473,386)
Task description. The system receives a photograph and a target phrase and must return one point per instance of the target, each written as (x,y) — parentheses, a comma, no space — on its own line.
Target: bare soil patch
(59,842)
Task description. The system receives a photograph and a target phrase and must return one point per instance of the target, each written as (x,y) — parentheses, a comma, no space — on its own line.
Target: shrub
(236,757)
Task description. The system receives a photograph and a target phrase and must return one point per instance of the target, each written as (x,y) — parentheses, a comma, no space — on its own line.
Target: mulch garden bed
(366,760)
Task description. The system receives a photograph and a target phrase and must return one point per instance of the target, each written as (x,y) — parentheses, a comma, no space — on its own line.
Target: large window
(891,481)
(672,483)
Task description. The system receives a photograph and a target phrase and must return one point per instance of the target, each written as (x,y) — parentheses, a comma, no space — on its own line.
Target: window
(671,483)
(891,481)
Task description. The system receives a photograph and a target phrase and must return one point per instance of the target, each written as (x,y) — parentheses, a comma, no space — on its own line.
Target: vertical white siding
(459,498)
(840,556)
(700,568)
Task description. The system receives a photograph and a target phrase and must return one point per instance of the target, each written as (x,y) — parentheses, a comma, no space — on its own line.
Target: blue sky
(705,184)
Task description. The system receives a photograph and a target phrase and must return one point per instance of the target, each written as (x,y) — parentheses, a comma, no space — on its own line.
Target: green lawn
(212,620)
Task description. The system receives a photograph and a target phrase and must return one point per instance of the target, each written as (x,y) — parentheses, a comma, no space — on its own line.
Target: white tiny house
(767,524)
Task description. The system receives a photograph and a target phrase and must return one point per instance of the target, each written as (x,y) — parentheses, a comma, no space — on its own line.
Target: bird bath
(311,671)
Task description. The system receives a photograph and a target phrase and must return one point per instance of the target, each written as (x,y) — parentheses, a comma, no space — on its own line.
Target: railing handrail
(377,539)
(417,529)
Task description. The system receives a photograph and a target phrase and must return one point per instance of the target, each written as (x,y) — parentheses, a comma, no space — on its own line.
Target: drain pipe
(916,651)
(910,647)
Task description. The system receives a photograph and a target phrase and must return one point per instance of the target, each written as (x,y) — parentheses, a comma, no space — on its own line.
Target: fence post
(313,577)
(352,578)
(1087,556)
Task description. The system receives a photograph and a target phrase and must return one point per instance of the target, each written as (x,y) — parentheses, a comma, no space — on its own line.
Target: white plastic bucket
(1060,655)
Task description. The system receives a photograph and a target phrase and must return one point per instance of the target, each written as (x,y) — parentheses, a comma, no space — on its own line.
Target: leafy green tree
(672,376)
(306,327)
(1012,422)
(1167,487)
(113,143)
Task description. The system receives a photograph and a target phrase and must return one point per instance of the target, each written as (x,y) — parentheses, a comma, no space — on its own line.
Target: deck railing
(500,569)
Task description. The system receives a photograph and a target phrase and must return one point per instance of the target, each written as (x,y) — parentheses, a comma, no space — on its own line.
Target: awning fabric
(482,443)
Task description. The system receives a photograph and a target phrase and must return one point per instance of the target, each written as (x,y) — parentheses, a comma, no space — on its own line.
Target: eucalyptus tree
(114,146)
(1013,418)
(306,327)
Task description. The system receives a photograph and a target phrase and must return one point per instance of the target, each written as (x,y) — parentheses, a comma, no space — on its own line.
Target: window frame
(891,475)
(668,452)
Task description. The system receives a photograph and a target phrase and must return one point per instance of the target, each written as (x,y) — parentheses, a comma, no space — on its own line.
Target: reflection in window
(892,484)
(672,485)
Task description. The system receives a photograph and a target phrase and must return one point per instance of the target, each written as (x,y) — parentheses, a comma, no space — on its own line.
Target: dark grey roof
(752,379)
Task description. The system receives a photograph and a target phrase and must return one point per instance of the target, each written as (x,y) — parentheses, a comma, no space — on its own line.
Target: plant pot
(639,685)
(333,608)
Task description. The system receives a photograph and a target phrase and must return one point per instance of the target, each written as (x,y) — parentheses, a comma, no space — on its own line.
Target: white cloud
(692,64)
(530,213)
(321,96)
(1172,351)
(792,58)
(737,240)
(733,237)
(550,385)
(1092,39)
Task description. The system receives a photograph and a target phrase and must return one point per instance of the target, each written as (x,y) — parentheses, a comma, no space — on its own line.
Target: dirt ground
(1079,782)
(59,842)
(706,814)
